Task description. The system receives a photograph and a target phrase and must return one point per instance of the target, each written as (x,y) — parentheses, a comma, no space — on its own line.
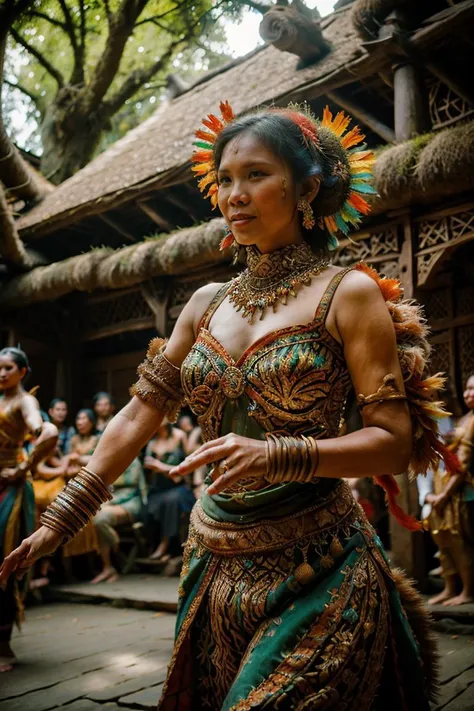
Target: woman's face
(257,195)
(469,393)
(186,424)
(10,374)
(58,413)
(83,425)
(103,408)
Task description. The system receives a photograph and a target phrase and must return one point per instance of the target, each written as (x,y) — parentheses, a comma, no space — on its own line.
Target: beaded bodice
(12,435)
(293,381)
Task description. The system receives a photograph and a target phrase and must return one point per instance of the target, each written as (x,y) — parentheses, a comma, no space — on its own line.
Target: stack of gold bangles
(76,504)
(291,459)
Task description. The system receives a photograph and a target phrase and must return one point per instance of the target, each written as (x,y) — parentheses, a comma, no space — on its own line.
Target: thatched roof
(420,171)
(150,154)
(427,168)
(178,253)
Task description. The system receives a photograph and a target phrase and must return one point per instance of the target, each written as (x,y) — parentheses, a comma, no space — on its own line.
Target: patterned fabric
(286,598)
(16,511)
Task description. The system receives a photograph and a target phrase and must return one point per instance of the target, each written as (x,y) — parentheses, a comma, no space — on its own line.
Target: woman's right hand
(41,543)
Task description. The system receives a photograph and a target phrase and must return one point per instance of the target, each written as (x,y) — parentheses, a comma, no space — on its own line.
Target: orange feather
(359,203)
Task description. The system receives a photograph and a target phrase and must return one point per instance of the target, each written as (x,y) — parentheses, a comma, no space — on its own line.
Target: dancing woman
(286,597)
(19,417)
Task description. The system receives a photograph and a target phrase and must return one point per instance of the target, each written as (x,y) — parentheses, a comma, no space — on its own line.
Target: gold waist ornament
(229,539)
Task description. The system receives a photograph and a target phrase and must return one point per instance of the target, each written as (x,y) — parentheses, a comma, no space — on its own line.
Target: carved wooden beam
(116,226)
(158,305)
(154,215)
(293,28)
(369,120)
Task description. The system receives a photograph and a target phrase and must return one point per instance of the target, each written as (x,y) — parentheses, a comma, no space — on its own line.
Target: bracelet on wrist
(290,458)
(76,504)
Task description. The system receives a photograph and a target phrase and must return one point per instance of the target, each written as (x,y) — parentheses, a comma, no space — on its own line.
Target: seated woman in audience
(129,497)
(83,443)
(451,520)
(167,498)
(104,409)
(81,449)
(57,413)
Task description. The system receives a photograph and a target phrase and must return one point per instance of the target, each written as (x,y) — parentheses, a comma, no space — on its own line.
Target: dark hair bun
(336,175)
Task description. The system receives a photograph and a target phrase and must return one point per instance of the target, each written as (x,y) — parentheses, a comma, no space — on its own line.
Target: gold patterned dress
(17,512)
(286,597)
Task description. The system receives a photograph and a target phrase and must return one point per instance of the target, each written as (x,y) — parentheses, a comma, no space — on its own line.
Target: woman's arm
(45,432)
(125,436)
(365,328)
(45,472)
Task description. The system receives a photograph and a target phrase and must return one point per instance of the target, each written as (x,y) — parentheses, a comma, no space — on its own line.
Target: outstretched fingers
(201,457)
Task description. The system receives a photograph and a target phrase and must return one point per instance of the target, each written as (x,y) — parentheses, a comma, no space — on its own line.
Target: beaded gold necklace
(271,278)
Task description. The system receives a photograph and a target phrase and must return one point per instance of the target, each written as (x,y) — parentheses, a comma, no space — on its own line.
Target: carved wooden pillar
(406,261)
(410,108)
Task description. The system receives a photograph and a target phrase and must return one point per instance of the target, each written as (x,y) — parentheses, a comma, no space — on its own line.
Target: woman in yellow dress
(19,418)
(286,597)
(451,520)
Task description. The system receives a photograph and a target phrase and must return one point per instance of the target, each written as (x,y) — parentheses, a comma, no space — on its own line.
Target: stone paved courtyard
(83,657)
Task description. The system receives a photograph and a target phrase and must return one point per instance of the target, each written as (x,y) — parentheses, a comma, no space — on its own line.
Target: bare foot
(113,578)
(7,658)
(443,597)
(159,553)
(103,575)
(5,665)
(461,599)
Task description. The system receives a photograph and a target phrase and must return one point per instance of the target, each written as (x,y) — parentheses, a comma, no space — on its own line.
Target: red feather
(392,490)
(226,241)
(305,124)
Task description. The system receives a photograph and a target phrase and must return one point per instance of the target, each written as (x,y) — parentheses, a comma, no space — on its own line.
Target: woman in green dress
(286,597)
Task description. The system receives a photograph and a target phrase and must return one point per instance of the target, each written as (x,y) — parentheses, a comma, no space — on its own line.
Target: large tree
(16,178)
(92,56)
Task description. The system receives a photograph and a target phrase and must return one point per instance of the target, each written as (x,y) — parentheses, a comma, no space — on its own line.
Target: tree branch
(262,9)
(34,97)
(171,10)
(12,248)
(121,26)
(55,73)
(77,75)
(136,80)
(51,20)
(10,12)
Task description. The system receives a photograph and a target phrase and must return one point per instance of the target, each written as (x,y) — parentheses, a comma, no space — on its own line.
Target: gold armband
(159,381)
(76,504)
(291,459)
(387,391)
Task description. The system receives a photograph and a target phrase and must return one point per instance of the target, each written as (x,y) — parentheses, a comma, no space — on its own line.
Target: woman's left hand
(233,458)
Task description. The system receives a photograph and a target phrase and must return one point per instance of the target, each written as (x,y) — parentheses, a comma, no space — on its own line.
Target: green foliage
(69,38)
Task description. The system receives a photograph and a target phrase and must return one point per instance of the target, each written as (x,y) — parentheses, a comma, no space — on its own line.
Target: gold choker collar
(271,278)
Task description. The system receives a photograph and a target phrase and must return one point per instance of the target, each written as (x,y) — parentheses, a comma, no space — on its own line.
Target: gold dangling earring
(308,214)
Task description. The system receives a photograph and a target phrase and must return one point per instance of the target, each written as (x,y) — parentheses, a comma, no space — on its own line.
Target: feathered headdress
(356,166)
(361,163)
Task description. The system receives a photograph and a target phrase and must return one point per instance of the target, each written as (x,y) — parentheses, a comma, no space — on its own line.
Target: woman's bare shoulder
(356,286)
(202,299)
